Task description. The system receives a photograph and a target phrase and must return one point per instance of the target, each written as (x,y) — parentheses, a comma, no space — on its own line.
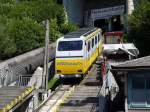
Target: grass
(53,83)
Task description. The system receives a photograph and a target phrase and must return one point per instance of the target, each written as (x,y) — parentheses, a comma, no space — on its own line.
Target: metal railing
(102,96)
(8,75)
(24,79)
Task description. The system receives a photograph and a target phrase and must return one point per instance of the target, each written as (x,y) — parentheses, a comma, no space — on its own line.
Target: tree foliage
(18,36)
(139,23)
(21,27)
(37,10)
(26,33)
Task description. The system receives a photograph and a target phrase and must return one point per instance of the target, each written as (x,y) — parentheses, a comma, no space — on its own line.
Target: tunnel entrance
(116,23)
(101,23)
(109,24)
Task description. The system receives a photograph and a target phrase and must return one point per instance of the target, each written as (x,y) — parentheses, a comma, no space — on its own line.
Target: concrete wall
(74,10)
(23,64)
(98,4)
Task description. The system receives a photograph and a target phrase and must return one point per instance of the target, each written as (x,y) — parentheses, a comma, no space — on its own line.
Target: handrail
(24,79)
(45,101)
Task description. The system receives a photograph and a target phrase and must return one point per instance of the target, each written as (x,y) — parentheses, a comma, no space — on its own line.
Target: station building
(110,15)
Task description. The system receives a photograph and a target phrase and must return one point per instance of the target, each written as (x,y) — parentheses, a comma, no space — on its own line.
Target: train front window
(70,45)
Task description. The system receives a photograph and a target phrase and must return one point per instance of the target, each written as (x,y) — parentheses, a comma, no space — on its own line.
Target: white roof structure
(128,48)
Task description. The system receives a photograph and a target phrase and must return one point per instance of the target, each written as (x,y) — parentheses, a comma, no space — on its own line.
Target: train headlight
(58,71)
(79,70)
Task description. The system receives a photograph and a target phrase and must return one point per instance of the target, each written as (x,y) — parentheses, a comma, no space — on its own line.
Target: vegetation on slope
(21,27)
(139,23)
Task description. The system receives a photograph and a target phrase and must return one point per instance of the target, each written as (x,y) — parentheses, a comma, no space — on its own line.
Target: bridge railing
(10,74)
(24,80)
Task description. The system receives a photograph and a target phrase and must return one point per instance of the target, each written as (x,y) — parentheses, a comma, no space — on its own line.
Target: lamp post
(46,57)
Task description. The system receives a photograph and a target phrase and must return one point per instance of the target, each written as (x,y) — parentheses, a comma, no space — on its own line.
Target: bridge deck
(11,96)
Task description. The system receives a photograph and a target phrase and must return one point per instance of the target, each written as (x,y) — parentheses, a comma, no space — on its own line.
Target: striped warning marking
(10,96)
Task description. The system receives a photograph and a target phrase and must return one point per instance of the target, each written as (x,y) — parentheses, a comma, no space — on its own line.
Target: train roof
(80,32)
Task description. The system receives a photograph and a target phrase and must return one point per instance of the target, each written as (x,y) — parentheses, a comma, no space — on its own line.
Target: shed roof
(128,48)
(143,62)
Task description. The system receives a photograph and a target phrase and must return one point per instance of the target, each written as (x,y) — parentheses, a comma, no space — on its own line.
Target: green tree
(68,27)
(19,36)
(139,23)
(27,34)
(35,9)
(54,30)
(21,28)
(7,1)
(5,8)
(7,44)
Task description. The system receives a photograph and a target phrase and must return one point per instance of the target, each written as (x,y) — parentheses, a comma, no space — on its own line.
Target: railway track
(56,98)
(85,95)
(82,97)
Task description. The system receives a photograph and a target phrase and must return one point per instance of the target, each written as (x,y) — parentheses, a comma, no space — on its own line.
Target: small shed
(133,77)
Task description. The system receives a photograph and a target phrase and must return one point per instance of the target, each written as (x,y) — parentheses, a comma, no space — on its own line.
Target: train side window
(89,46)
(92,42)
(95,40)
(98,37)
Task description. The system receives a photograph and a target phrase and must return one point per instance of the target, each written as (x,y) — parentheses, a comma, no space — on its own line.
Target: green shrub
(7,43)
(54,32)
(69,27)
(27,33)
(19,36)
(139,23)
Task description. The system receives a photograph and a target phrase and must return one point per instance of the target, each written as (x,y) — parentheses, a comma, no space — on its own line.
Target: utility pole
(46,57)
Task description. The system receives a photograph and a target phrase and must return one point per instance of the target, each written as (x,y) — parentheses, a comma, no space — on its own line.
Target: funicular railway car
(76,51)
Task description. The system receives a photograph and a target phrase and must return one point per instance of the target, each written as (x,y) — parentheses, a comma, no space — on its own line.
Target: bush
(5,9)
(7,43)
(69,27)
(61,16)
(54,30)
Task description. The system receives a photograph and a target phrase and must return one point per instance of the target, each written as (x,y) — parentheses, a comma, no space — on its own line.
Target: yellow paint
(69,66)
(65,97)
(10,105)
(93,34)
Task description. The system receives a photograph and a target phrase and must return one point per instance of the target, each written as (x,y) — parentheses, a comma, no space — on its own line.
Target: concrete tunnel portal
(109,15)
